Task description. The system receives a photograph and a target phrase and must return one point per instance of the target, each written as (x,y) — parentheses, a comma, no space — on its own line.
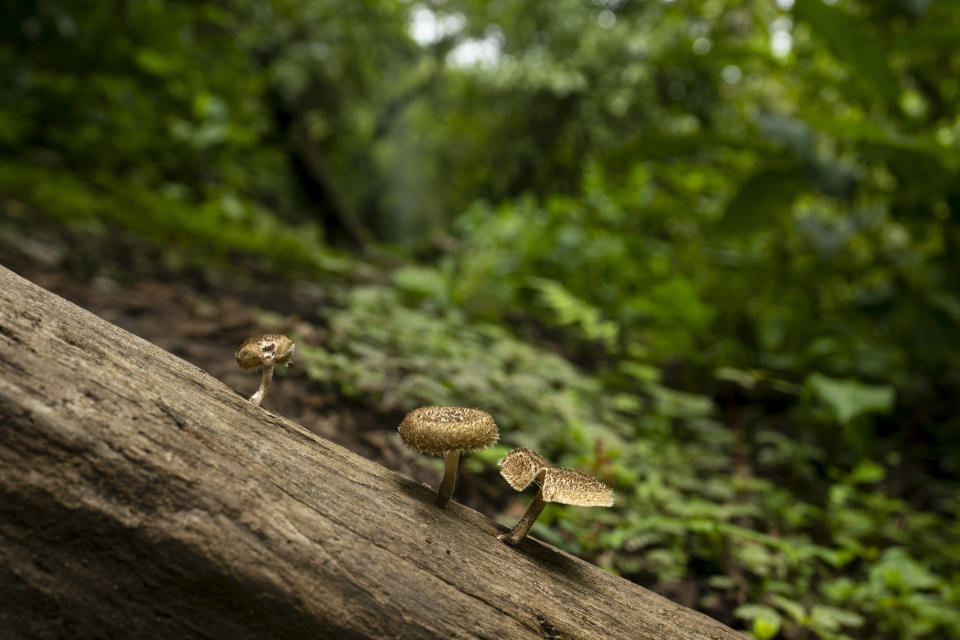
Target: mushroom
(521,466)
(264,352)
(556,485)
(448,432)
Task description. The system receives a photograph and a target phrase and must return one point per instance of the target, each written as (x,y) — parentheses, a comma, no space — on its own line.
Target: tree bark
(142,498)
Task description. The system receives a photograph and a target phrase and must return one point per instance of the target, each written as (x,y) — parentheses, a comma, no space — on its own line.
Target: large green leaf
(761,197)
(851,398)
(850,44)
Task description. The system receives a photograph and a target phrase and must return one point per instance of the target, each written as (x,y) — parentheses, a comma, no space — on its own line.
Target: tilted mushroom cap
(572,487)
(263,351)
(520,467)
(438,430)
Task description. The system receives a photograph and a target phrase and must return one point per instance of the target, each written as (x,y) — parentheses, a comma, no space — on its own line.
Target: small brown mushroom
(556,485)
(521,466)
(448,432)
(265,352)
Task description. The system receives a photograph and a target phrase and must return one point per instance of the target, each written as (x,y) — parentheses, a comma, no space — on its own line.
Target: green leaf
(155,62)
(850,398)
(761,197)
(866,472)
(764,629)
(568,309)
(765,620)
(794,609)
(851,45)
(679,404)
(640,370)
(423,282)
(896,569)
(832,618)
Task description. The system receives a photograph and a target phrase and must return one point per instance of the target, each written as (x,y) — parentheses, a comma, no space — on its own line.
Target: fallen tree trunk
(141,498)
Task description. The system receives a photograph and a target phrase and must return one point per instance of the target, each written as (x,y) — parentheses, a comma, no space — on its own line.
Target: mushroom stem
(520,530)
(451,461)
(265,379)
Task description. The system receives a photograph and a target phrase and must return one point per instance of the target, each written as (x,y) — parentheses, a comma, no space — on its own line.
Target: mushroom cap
(567,486)
(264,351)
(521,466)
(440,430)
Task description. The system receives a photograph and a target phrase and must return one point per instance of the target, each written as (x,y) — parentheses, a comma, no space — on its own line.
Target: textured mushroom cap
(520,467)
(438,430)
(572,487)
(265,350)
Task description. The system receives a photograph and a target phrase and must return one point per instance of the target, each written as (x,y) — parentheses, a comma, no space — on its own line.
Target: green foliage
(203,234)
(568,310)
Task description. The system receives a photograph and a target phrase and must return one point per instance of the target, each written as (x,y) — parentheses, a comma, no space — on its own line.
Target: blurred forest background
(707,250)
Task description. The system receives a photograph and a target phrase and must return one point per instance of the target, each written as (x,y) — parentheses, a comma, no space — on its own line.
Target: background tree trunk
(141,498)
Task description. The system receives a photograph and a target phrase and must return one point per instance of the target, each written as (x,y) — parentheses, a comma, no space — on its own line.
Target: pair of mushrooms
(452,431)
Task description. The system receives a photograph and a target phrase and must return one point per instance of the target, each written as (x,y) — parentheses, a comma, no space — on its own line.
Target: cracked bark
(141,498)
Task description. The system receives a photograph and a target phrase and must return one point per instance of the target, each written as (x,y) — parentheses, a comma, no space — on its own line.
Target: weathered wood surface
(141,498)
